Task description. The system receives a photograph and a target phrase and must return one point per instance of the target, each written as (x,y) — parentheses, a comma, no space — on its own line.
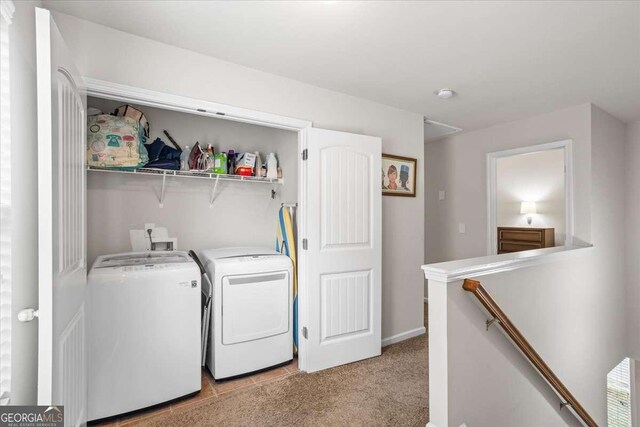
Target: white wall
(533,177)
(457,164)
(115,56)
(570,310)
(25,202)
(633,237)
(243,214)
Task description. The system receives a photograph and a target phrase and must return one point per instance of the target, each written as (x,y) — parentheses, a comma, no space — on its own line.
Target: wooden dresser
(515,239)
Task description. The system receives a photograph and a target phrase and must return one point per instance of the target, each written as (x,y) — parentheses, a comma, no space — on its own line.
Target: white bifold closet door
(343,273)
(61,224)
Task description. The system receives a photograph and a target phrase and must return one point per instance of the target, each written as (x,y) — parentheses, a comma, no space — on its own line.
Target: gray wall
(111,55)
(457,164)
(24,195)
(633,237)
(242,213)
(603,293)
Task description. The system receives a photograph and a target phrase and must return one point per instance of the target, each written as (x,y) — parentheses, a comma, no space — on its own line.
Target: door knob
(27,314)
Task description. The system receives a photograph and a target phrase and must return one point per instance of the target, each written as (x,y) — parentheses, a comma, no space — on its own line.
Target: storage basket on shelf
(115,142)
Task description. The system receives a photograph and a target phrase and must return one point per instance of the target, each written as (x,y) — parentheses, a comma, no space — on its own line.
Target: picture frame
(402,171)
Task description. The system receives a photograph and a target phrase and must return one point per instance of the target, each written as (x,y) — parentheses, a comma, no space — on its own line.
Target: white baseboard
(430,424)
(403,336)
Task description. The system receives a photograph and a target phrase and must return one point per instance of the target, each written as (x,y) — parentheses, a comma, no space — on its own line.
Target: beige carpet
(390,390)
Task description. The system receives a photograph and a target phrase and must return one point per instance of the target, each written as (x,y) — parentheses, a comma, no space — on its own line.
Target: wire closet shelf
(214,177)
(189,174)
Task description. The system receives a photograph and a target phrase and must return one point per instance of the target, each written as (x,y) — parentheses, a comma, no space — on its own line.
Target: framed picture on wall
(398,176)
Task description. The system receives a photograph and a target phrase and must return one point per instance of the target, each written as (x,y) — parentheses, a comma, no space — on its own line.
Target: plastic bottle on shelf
(231,162)
(210,156)
(184,159)
(257,169)
(272,166)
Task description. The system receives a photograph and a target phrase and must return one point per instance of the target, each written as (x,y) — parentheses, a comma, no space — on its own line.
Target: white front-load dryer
(143,331)
(252,316)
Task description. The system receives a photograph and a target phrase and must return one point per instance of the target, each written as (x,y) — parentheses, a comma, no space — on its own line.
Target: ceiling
(505,60)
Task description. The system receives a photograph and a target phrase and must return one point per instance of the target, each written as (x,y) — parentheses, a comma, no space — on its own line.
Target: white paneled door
(343,257)
(61,261)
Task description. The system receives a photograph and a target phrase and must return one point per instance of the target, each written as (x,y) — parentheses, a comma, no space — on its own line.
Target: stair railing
(498,316)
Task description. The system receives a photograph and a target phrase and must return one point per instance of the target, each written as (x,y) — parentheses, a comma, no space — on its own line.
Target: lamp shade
(528,207)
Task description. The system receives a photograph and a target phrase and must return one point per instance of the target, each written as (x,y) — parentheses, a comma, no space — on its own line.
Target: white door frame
(492,197)
(134,95)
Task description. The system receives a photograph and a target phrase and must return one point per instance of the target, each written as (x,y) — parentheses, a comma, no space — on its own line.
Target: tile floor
(210,390)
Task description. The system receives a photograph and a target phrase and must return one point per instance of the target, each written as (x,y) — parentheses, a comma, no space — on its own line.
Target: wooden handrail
(519,340)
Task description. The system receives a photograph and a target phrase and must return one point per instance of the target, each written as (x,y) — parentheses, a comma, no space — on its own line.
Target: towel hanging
(286,244)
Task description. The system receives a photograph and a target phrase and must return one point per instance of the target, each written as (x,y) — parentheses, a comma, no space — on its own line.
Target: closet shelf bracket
(213,192)
(164,181)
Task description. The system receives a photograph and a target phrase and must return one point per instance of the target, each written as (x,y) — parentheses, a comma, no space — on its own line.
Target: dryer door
(255,306)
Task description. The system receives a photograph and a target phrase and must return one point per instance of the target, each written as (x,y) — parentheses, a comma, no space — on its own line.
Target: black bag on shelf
(161,156)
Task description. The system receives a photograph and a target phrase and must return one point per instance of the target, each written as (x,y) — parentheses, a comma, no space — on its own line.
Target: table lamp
(528,208)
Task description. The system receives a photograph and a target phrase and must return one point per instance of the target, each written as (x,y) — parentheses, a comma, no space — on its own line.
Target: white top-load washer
(252,316)
(143,331)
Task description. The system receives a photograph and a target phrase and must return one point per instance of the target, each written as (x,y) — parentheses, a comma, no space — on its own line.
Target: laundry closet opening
(152,196)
